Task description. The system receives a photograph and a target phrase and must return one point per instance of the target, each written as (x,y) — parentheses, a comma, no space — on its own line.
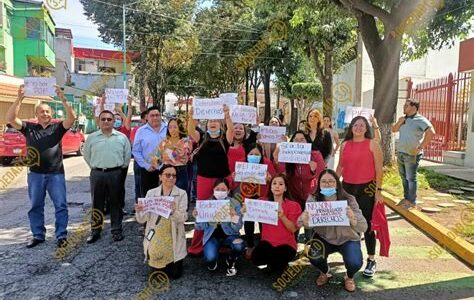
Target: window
(50,38)
(33,28)
(106,69)
(81,65)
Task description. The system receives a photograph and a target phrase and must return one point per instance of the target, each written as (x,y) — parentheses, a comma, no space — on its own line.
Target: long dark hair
(253,146)
(330,121)
(350,135)
(182,133)
(290,167)
(286,194)
(341,193)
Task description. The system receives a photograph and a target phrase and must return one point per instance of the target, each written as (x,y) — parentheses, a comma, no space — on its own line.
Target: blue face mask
(214,132)
(117,124)
(253,159)
(328,192)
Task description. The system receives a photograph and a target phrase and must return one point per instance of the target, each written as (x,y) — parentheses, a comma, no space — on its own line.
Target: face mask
(214,132)
(220,195)
(253,159)
(117,123)
(328,192)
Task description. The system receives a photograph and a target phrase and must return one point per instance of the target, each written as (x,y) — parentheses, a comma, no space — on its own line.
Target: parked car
(13,143)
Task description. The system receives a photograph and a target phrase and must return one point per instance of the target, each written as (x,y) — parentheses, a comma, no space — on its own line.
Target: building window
(106,69)
(33,28)
(81,65)
(50,38)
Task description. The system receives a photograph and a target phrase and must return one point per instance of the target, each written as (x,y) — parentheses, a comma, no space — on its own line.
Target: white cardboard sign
(158,205)
(208,109)
(107,106)
(327,213)
(272,134)
(262,211)
(213,211)
(229,99)
(297,153)
(352,112)
(243,114)
(116,95)
(40,86)
(252,173)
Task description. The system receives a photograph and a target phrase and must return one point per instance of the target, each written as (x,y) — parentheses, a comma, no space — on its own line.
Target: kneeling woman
(342,239)
(278,244)
(225,233)
(165,242)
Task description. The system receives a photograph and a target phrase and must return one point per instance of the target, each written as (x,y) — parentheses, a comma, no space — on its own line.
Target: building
(64,56)
(26,38)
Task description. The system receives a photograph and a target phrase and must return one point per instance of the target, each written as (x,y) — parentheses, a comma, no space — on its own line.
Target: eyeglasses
(168,175)
(106,119)
(326,182)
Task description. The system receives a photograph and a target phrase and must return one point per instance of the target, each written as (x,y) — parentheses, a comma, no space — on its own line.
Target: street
(115,270)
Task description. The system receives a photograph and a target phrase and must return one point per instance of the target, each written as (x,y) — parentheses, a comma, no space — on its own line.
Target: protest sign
(158,205)
(116,95)
(40,86)
(252,173)
(243,114)
(262,211)
(229,99)
(297,153)
(213,211)
(208,109)
(352,112)
(327,213)
(272,134)
(107,106)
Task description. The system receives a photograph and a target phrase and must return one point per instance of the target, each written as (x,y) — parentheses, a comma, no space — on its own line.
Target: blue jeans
(211,248)
(182,177)
(136,176)
(55,184)
(350,251)
(194,182)
(407,167)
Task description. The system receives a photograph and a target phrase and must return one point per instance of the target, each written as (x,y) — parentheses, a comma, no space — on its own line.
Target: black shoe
(93,238)
(370,268)
(34,242)
(61,243)
(117,236)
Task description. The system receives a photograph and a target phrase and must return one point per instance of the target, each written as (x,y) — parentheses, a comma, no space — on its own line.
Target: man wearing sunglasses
(107,152)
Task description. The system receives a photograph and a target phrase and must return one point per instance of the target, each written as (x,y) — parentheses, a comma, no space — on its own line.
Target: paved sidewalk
(459,172)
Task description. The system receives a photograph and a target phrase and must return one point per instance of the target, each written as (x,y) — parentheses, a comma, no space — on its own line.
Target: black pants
(277,258)
(148,181)
(106,184)
(249,229)
(174,270)
(123,178)
(365,197)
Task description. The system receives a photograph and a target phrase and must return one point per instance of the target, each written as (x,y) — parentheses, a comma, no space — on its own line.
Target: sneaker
(323,278)
(349,284)
(212,266)
(370,268)
(231,269)
(61,243)
(402,202)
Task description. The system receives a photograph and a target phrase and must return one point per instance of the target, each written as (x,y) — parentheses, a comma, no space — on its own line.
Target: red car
(13,143)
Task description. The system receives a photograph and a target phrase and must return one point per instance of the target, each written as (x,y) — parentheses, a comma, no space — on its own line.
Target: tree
(306,94)
(387,27)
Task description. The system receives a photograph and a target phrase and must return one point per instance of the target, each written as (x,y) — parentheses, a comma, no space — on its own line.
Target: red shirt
(124,130)
(234,155)
(358,165)
(133,133)
(278,235)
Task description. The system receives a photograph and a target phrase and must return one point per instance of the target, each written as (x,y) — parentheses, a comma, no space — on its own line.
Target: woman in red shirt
(278,244)
(360,164)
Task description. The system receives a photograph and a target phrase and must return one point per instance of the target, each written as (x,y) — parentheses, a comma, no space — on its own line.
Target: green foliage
(307,90)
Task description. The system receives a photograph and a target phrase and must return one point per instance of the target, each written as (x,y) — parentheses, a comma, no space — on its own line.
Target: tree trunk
(293,117)
(256,83)
(327,83)
(266,89)
(247,87)
(142,79)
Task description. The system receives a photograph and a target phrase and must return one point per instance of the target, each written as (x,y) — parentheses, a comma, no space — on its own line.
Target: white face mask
(220,195)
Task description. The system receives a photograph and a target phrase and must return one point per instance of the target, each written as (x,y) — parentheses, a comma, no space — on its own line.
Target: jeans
(55,184)
(194,183)
(407,167)
(182,177)
(136,175)
(211,248)
(350,251)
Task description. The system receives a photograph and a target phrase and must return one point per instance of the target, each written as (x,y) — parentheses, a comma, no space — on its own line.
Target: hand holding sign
(327,213)
(116,95)
(261,211)
(243,114)
(251,173)
(297,153)
(272,134)
(40,86)
(161,205)
(352,112)
(208,109)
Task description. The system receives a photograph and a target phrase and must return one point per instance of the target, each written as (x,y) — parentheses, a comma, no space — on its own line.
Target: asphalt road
(115,270)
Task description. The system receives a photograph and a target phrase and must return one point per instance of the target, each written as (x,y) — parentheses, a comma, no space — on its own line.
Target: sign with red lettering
(158,205)
(262,211)
(327,213)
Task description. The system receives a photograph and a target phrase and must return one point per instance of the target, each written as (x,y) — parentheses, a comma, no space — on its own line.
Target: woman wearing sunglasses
(165,242)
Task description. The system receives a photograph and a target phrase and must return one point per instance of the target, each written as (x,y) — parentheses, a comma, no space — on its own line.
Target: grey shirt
(411,133)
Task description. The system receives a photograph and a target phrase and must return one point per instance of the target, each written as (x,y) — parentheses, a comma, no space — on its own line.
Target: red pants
(204,192)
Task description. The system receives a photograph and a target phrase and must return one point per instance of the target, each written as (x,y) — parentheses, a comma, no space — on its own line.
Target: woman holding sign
(360,165)
(320,138)
(240,143)
(278,244)
(334,238)
(222,233)
(212,161)
(165,241)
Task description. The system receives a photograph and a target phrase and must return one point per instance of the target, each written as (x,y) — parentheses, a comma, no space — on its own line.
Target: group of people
(165,155)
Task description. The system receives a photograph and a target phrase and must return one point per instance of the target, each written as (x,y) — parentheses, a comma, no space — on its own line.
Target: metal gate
(445,102)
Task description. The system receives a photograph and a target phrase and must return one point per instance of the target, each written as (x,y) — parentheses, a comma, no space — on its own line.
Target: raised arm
(230,125)
(375,126)
(396,126)
(71,114)
(192,132)
(12,113)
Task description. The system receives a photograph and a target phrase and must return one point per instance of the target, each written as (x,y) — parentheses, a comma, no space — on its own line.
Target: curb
(443,235)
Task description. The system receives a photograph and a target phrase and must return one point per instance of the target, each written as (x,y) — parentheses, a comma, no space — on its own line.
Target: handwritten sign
(107,106)
(208,109)
(158,205)
(272,134)
(213,211)
(252,173)
(229,99)
(297,153)
(116,95)
(40,86)
(327,213)
(352,112)
(261,211)
(243,114)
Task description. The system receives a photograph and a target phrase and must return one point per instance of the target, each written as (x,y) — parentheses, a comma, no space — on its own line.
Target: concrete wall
(64,59)
(469,158)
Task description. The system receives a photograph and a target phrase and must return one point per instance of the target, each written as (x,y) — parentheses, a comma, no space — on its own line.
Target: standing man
(48,175)
(416,132)
(82,120)
(146,149)
(107,152)
(136,167)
